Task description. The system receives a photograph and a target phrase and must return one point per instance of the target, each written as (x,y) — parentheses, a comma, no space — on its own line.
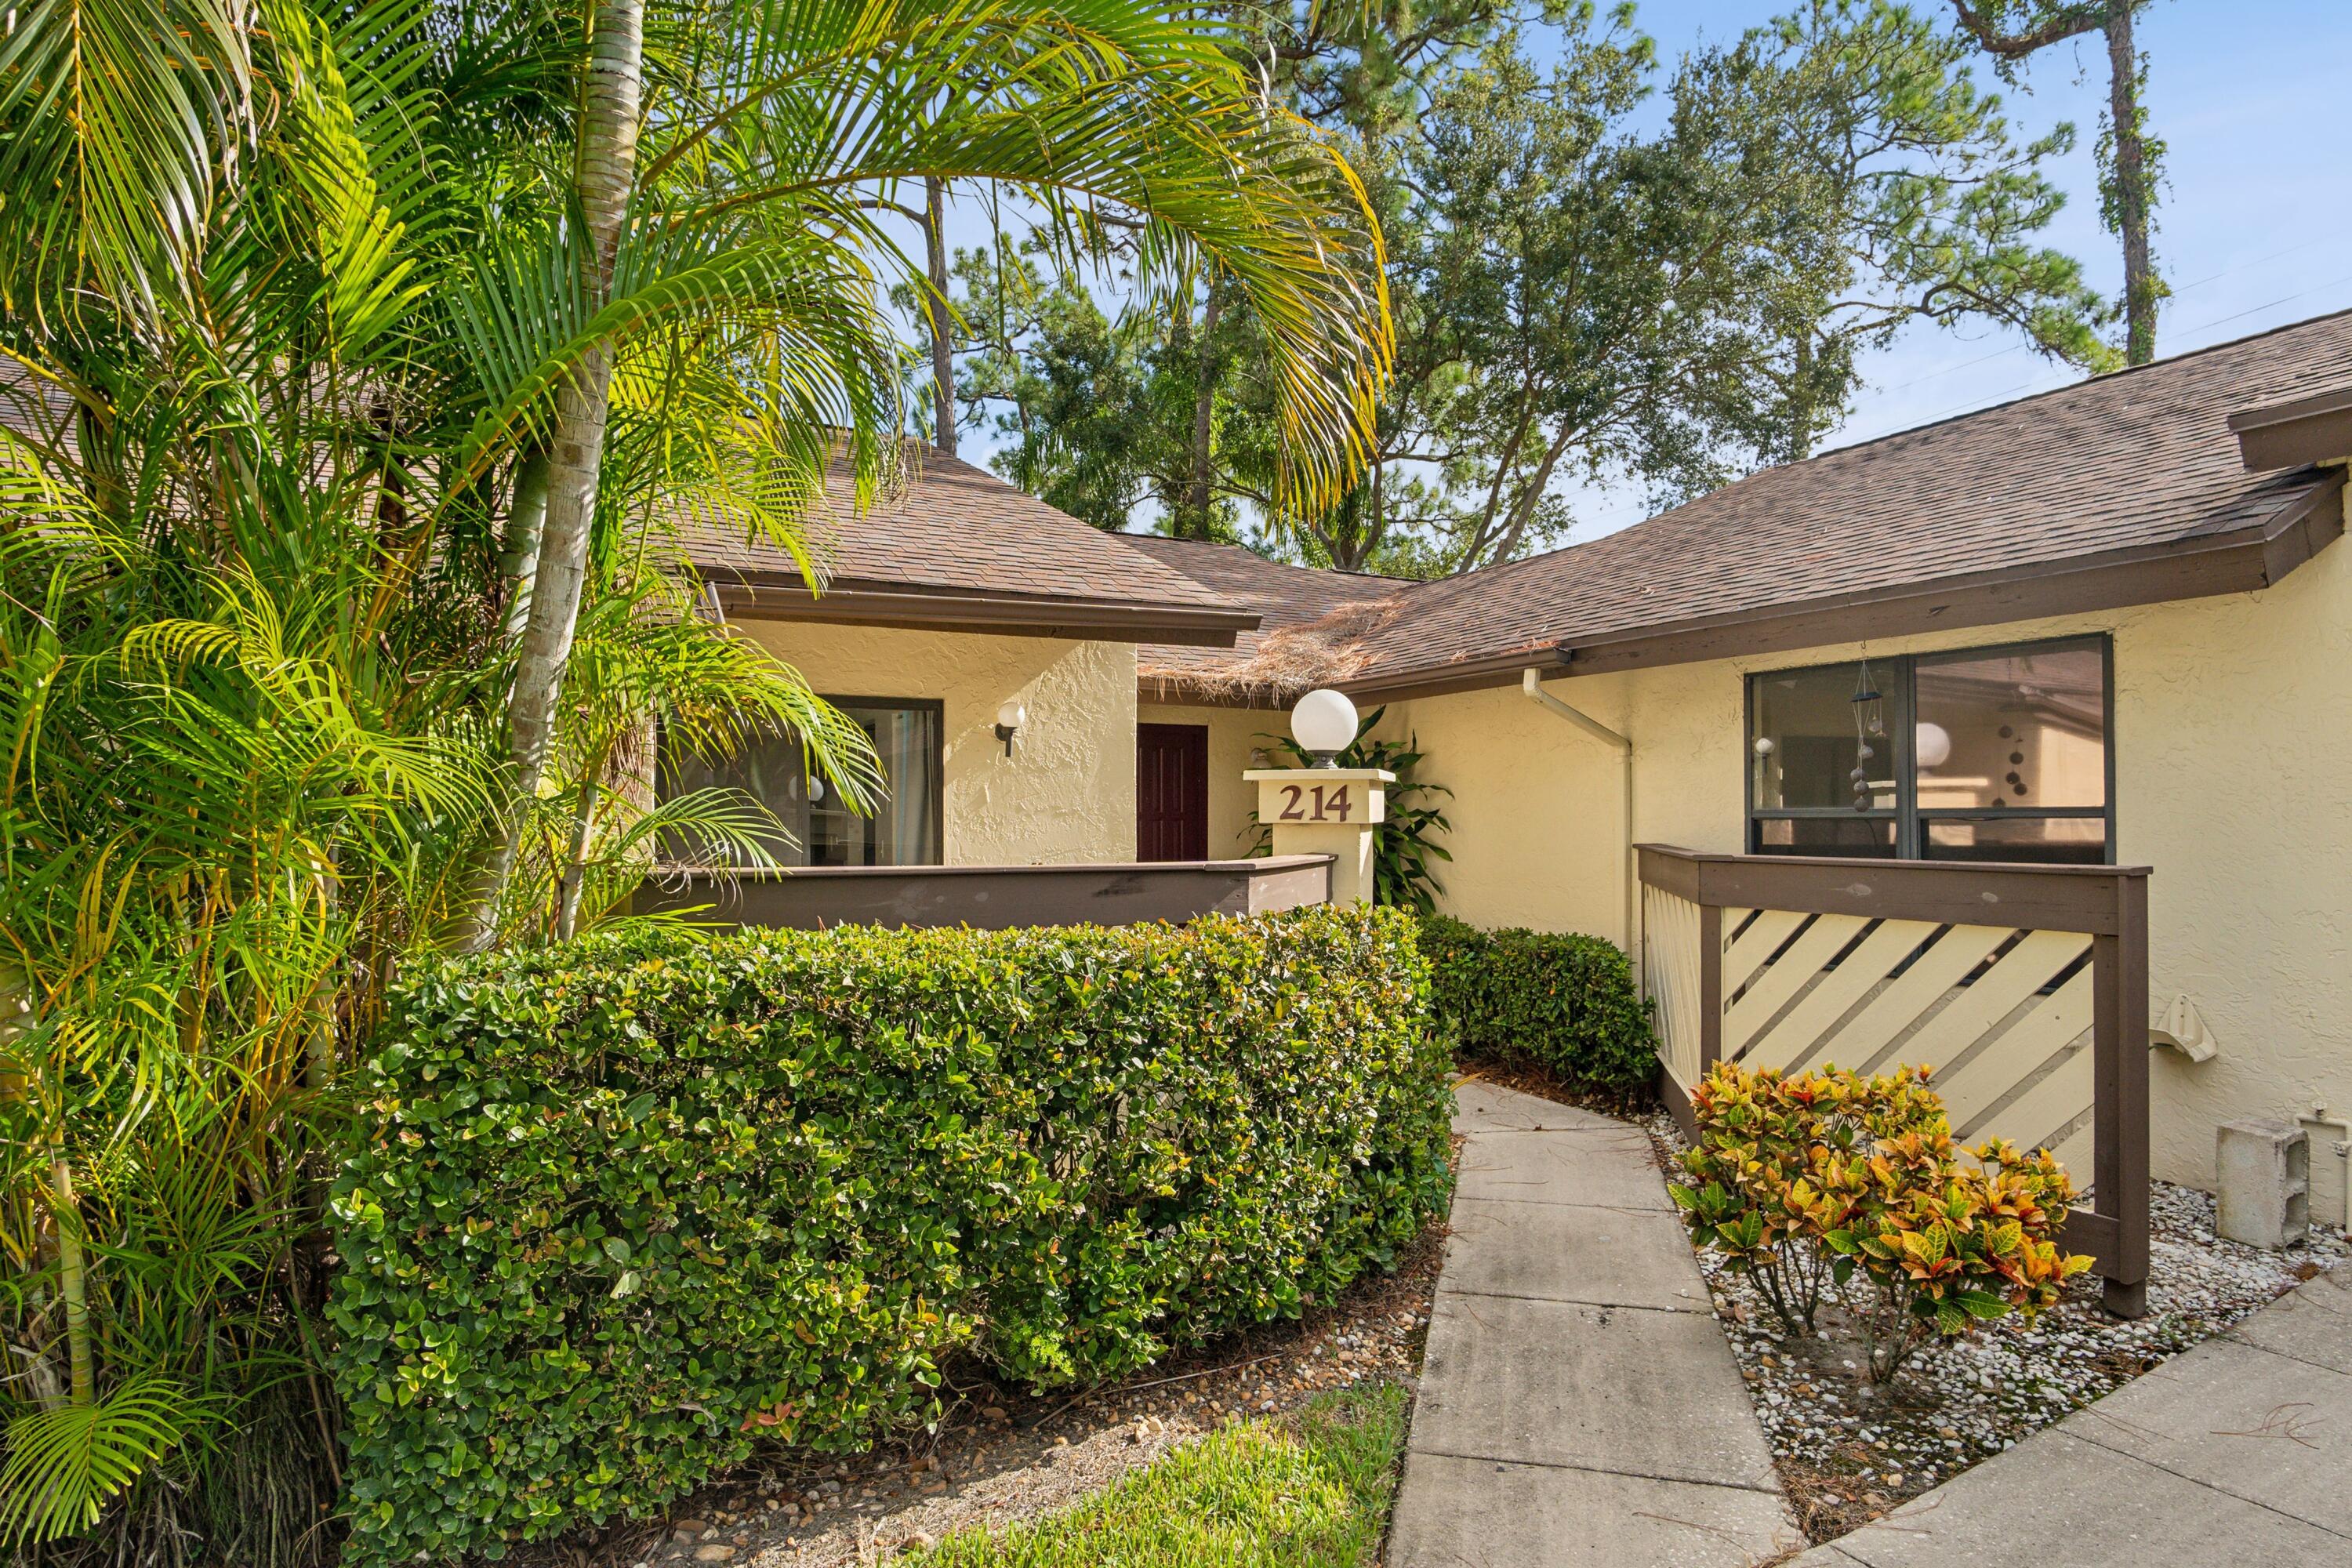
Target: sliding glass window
(903,830)
(1998,753)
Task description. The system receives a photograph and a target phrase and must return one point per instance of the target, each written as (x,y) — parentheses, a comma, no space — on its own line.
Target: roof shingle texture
(962,530)
(2142,457)
(1283,596)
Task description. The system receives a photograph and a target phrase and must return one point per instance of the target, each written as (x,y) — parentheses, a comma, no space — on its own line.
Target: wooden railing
(2025,987)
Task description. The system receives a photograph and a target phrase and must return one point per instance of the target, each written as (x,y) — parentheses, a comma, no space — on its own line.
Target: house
(2109,624)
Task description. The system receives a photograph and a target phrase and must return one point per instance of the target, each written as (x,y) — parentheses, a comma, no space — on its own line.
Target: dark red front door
(1172,792)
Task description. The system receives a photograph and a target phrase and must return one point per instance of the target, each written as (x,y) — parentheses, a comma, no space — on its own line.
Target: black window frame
(937,806)
(1899,686)
(797,822)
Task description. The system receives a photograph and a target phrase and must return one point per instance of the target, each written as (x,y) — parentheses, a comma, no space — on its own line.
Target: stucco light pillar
(1327,811)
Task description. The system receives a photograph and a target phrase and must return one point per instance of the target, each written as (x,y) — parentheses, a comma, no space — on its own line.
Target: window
(1997,754)
(904,829)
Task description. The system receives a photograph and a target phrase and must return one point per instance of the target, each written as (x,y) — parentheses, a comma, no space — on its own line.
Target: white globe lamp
(1010,716)
(1931,744)
(1324,724)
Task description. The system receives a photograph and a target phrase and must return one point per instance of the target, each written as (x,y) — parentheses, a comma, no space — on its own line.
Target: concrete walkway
(1578,1404)
(2234,1453)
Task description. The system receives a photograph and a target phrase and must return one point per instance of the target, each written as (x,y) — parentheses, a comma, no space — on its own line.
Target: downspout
(1531,683)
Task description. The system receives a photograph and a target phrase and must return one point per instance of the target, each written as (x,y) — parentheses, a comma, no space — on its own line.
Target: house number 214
(1329,805)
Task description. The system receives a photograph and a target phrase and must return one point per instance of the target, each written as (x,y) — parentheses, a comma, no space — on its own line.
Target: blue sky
(2254,229)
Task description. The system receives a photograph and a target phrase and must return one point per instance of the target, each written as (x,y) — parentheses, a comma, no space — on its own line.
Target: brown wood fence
(2025,987)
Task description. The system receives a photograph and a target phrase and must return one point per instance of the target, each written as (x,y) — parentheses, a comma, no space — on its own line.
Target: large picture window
(1997,754)
(904,829)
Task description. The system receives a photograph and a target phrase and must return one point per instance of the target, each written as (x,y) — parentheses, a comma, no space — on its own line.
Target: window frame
(797,824)
(937,806)
(1902,697)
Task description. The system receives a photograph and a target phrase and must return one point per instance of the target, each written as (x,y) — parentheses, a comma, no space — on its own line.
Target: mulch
(998,1455)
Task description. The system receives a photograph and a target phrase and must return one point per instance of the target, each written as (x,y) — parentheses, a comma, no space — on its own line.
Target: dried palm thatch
(1286,660)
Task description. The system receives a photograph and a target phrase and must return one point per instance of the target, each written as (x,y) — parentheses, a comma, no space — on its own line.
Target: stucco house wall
(2233,752)
(1068,792)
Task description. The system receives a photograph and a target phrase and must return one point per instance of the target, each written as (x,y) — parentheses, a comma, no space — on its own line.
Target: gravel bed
(1848,1451)
(999,1456)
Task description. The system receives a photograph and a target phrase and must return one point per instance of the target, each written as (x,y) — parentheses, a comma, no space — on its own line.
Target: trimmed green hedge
(623,1206)
(1563,1003)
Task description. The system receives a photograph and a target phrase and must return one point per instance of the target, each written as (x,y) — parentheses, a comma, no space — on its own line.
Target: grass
(1309,1491)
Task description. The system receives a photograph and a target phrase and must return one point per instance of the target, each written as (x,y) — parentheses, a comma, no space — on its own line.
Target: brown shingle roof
(2140,461)
(959,533)
(1273,660)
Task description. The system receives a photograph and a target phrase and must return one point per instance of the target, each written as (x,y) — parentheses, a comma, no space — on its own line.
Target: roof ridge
(2160,363)
(2167,360)
(1257,555)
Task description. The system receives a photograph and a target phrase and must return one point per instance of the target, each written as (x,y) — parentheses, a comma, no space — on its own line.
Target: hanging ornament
(1869,708)
(1869,720)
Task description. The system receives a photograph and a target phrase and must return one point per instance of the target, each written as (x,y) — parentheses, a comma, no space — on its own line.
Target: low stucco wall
(1067,794)
(1237,742)
(2233,748)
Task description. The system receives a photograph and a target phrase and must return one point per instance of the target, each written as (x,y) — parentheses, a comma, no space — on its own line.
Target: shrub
(627,1205)
(1840,1178)
(1754,1193)
(1563,1003)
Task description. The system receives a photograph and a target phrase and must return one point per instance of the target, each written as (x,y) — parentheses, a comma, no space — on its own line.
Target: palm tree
(300,318)
(776,139)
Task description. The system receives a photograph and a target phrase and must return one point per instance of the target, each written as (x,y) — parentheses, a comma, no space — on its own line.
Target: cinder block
(2263,1196)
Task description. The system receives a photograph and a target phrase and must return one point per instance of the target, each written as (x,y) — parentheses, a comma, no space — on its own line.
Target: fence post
(2119,1152)
(1710,987)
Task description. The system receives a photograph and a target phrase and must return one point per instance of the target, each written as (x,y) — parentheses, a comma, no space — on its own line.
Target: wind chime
(1869,724)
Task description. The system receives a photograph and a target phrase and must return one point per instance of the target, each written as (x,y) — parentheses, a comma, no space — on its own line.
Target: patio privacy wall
(2232,733)
(1068,792)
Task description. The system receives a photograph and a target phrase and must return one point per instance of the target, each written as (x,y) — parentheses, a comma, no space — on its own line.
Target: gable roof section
(2127,489)
(960,548)
(1310,623)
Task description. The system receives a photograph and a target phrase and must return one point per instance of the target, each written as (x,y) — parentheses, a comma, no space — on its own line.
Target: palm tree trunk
(607,171)
(935,311)
(2129,197)
(66,1211)
(526,516)
(1194,524)
(576,870)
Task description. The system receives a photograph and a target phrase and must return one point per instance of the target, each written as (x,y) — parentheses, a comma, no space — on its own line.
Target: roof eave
(2291,435)
(846,602)
(2257,555)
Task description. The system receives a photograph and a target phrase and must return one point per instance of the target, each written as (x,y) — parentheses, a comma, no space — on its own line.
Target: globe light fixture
(1324,724)
(1010,716)
(1931,744)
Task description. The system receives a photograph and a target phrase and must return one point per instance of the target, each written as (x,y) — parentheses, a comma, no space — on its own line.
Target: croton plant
(1834,1180)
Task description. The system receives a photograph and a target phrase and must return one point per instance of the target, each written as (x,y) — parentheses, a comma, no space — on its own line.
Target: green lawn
(1311,1491)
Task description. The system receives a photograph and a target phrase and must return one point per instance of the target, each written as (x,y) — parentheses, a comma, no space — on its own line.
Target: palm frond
(66,1463)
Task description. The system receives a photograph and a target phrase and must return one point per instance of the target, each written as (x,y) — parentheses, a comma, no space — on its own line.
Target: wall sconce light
(1324,725)
(1010,717)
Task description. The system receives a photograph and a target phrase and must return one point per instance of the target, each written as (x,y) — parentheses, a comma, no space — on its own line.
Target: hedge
(1564,1003)
(620,1208)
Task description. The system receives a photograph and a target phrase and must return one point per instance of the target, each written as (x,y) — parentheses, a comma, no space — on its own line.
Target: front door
(1172,792)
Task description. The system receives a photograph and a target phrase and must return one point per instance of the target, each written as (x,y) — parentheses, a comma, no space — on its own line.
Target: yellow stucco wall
(1067,794)
(1235,737)
(2233,748)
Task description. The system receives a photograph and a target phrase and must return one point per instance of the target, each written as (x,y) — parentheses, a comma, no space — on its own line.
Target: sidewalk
(2238,1452)
(1577,1402)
